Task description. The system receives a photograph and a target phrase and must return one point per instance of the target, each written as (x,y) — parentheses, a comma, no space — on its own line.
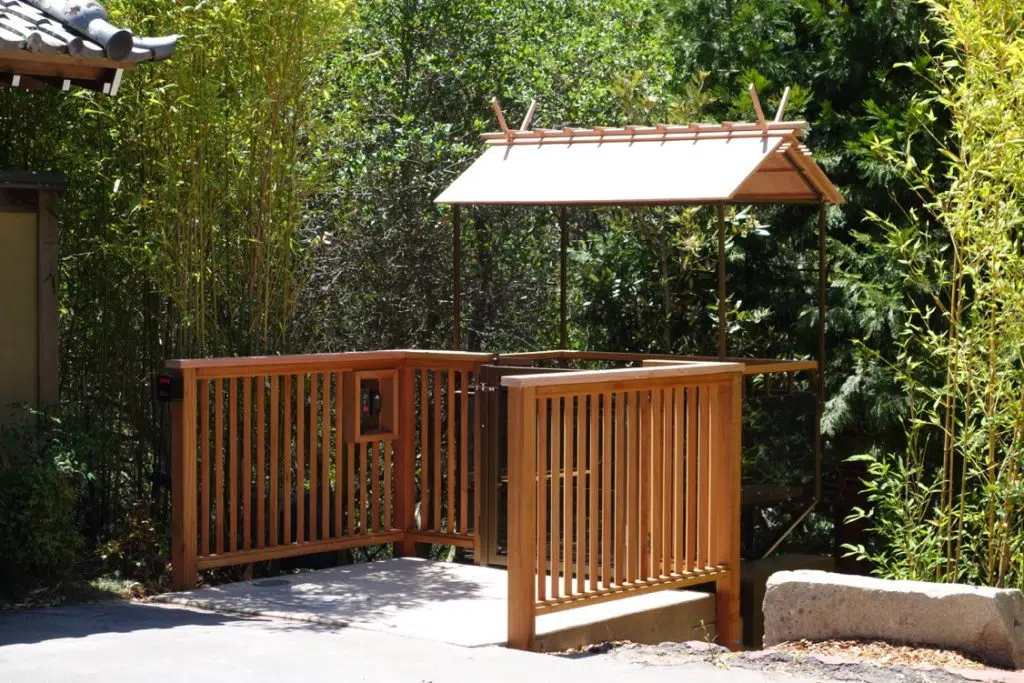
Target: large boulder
(817,605)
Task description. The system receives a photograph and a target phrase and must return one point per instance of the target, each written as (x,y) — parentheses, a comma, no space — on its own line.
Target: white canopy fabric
(643,170)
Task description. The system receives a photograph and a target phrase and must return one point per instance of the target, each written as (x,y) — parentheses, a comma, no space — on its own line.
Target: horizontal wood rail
(273,457)
(751,366)
(622,482)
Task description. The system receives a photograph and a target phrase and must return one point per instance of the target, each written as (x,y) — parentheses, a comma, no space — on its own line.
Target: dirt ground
(826,662)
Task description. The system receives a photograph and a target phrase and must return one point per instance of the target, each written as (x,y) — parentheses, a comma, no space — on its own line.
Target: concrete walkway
(459,604)
(132,642)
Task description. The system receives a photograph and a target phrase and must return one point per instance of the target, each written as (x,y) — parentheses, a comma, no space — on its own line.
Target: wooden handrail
(389,356)
(752,366)
(676,372)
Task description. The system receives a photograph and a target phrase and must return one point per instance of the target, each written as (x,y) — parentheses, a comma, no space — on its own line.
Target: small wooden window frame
(388,381)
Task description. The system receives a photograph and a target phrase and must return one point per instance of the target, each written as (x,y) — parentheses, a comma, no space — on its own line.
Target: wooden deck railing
(442,397)
(620,482)
(269,458)
(763,379)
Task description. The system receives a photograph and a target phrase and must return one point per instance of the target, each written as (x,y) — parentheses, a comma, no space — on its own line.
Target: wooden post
(820,408)
(563,279)
(729,450)
(183,485)
(47,270)
(405,457)
(457,278)
(522,512)
(720,211)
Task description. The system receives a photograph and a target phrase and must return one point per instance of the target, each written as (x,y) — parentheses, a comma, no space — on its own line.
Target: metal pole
(818,446)
(563,336)
(720,210)
(457,278)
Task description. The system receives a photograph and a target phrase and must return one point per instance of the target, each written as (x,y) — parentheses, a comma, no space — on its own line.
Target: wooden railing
(620,482)
(270,458)
(763,378)
(447,434)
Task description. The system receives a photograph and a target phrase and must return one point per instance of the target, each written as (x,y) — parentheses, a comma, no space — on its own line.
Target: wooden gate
(493,412)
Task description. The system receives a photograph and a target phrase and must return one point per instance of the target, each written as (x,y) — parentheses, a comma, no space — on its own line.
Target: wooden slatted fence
(620,482)
(270,460)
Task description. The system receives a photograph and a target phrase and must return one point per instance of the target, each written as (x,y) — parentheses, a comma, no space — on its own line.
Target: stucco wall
(19,324)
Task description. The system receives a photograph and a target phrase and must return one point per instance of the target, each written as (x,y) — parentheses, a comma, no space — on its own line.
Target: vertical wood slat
(387,485)
(619,511)
(704,458)
(246,478)
(556,486)
(286,464)
(375,475)
(350,485)
(543,468)
(477,480)
(668,477)
(679,478)
(567,488)
(275,456)
(313,464)
(644,456)
(607,557)
(692,475)
(218,462)
(435,427)
(451,454)
(300,458)
(339,525)
(404,457)
(261,462)
(207,454)
(580,489)
(425,492)
(463,474)
(656,488)
(232,517)
(593,462)
(631,519)
(361,447)
(325,459)
(718,464)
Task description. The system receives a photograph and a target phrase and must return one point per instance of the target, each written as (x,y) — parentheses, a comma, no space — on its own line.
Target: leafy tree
(414,79)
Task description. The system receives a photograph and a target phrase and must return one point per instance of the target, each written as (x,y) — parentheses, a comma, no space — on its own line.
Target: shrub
(40,538)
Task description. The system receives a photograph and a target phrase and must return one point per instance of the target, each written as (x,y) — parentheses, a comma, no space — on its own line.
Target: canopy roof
(739,163)
(67,43)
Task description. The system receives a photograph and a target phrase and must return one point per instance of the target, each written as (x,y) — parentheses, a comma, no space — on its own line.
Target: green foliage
(270,189)
(216,164)
(951,508)
(414,80)
(180,229)
(40,476)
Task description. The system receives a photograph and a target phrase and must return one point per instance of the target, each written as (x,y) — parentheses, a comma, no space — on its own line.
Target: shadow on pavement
(35,626)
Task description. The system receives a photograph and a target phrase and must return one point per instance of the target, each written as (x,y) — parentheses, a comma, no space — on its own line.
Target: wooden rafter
(660,132)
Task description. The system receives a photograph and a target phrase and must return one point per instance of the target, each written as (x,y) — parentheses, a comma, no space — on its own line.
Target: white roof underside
(643,170)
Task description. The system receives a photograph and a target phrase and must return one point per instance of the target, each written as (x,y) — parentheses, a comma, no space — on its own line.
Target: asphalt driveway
(139,642)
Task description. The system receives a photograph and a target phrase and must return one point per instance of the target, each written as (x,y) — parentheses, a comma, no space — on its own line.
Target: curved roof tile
(80,28)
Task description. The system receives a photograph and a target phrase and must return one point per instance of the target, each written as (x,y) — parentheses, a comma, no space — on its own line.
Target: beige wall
(19,324)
